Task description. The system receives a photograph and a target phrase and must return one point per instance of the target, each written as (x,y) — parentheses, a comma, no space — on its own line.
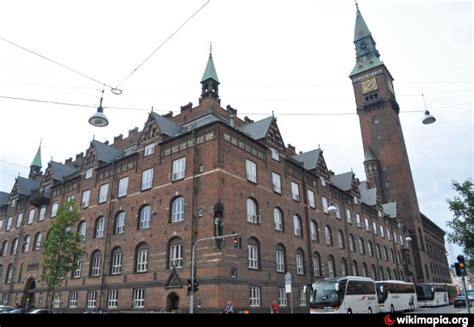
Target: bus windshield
(328,293)
(424,292)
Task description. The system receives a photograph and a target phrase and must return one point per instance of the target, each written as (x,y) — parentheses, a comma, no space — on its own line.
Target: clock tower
(386,159)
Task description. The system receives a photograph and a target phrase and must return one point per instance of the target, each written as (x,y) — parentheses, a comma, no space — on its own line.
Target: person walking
(229,308)
(275,307)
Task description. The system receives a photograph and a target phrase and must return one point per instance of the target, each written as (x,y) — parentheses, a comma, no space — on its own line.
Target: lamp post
(191,296)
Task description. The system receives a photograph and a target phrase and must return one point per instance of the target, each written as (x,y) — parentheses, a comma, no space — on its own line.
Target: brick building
(148,197)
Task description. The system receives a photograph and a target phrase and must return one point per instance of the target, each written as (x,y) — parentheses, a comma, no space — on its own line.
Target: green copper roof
(369,155)
(210,71)
(361,29)
(365,64)
(37,159)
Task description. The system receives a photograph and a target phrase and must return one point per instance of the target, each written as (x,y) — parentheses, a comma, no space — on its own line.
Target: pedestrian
(229,308)
(275,307)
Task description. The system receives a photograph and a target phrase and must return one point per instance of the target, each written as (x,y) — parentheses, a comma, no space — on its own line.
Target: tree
(62,247)
(462,225)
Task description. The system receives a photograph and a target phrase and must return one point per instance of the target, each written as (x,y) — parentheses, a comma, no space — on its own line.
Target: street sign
(288,282)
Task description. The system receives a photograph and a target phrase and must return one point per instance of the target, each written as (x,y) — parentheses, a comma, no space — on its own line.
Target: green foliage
(462,207)
(62,247)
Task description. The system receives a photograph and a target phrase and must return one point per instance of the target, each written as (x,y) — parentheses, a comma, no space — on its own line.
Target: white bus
(434,294)
(350,294)
(395,295)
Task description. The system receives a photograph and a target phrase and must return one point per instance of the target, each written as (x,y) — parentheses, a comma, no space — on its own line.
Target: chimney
(291,149)
(132,131)
(231,110)
(106,142)
(248,120)
(188,106)
(80,155)
(232,120)
(168,115)
(118,138)
(68,161)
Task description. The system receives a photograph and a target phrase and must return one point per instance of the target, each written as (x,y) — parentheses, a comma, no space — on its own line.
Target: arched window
(252,211)
(253,253)
(14,246)
(421,240)
(177,210)
(377,250)
(401,275)
(116,262)
(328,235)
(389,274)
(9,274)
(278,219)
(141,258)
(95,263)
(373,273)
(364,270)
(392,256)
(119,227)
(381,274)
(313,227)
(399,259)
(351,243)
(175,253)
(280,258)
(297,225)
(145,217)
(385,253)
(331,266)
(99,227)
(299,262)
(370,249)
(82,229)
(340,239)
(427,272)
(26,244)
(355,269)
(343,267)
(395,274)
(316,264)
(4,248)
(37,245)
(361,246)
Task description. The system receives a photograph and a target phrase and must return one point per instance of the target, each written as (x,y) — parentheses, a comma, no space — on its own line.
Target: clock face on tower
(369,85)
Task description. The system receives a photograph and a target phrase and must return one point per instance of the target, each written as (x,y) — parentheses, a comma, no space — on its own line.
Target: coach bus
(435,294)
(395,295)
(350,294)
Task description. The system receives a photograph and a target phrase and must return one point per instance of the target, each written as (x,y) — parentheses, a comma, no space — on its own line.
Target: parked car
(5,309)
(460,301)
(40,311)
(14,311)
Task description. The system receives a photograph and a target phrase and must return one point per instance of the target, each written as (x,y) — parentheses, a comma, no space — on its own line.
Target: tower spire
(210,81)
(35,167)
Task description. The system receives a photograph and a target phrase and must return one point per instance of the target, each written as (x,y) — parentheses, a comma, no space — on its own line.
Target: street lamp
(99,119)
(429,118)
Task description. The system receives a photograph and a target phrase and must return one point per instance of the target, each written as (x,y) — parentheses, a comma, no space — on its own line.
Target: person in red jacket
(275,307)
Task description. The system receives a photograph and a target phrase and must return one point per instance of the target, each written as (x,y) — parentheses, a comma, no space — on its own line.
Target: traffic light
(460,266)
(196,285)
(190,285)
(237,242)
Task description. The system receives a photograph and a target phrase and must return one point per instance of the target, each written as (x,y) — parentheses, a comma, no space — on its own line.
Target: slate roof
(107,153)
(26,186)
(390,209)
(309,159)
(166,126)
(4,198)
(203,121)
(342,181)
(258,130)
(60,171)
(368,196)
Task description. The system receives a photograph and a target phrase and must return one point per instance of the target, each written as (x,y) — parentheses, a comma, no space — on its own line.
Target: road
(444,309)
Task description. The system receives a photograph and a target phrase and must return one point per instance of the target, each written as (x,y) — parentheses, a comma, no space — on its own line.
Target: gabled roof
(368,196)
(60,171)
(4,196)
(390,209)
(309,159)
(26,186)
(166,126)
(106,153)
(342,181)
(258,130)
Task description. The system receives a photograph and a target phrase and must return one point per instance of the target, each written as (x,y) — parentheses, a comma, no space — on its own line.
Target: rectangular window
(280,261)
(147,179)
(358,222)
(179,169)
(254,296)
(42,213)
(295,191)
(142,260)
(299,264)
(54,209)
(276,181)
(311,201)
(302,298)
(31,216)
(57,301)
(86,195)
(322,180)
(139,298)
(176,256)
(253,257)
(73,299)
(89,173)
(374,226)
(324,201)
(275,154)
(381,231)
(92,299)
(367,225)
(112,299)
(19,220)
(338,210)
(117,263)
(120,223)
(251,169)
(349,216)
(123,187)
(9,223)
(104,189)
(149,150)
(282,297)
(77,271)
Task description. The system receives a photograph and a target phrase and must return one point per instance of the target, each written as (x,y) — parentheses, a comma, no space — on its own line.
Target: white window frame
(138,298)
(280,260)
(349,216)
(78,270)
(149,149)
(95,271)
(278,219)
(299,264)
(358,221)
(92,299)
(103,191)
(31,216)
(9,223)
(120,223)
(255,297)
(331,268)
(72,299)
(328,235)
(252,256)
(25,246)
(179,169)
(351,243)
(325,203)
(147,179)
(367,225)
(282,297)
(389,235)
(57,301)
(252,210)
(42,213)
(311,201)
(88,173)
(295,191)
(395,237)
(302,298)
(86,195)
(251,170)
(275,154)
(176,256)
(322,181)
(313,228)
(122,187)
(297,225)
(112,299)
(338,210)
(38,238)
(145,217)
(54,209)
(361,246)
(117,263)
(142,260)
(340,239)
(316,266)
(177,210)
(14,246)
(374,227)
(100,228)
(83,229)
(19,220)
(276,181)
(381,231)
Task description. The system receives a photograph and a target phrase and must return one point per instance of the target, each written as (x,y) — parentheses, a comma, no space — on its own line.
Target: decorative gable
(274,136)
(321,168)
(91,157)
(355,187)
(150,131)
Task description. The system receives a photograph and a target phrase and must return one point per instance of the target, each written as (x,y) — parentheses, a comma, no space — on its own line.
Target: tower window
(376,120)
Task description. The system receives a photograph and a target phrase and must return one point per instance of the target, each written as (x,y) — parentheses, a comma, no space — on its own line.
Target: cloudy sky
(289,57)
